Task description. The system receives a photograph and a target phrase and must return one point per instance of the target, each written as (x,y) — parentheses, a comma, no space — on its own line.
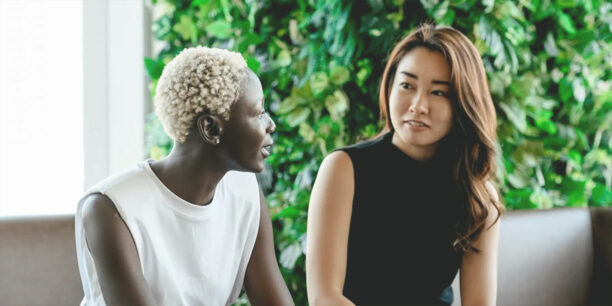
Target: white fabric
(189,254)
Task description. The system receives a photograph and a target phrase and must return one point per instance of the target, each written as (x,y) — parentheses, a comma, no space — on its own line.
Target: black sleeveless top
(403,224)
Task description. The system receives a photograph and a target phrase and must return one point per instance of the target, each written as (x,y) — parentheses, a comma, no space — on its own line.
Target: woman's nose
(271,125)
(419,104)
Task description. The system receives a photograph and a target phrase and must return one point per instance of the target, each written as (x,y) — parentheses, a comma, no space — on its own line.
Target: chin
(259,169)
(418,140)
(256,167)
(253,163)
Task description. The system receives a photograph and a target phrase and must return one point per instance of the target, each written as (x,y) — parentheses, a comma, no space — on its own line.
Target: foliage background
(548,63)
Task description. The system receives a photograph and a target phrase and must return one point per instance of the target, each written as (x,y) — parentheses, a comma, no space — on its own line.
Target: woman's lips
(265,151)
(416,122)
(416,125)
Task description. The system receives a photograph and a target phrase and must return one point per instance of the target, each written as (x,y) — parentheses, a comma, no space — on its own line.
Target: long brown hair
(473,135)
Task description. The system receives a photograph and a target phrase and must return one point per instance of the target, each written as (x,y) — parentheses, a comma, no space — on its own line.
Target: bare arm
(264,283)
(479,270)
(114,253)
(329,216)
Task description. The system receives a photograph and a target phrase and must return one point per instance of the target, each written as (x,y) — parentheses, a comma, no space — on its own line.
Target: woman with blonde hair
(194,227)
(392,220)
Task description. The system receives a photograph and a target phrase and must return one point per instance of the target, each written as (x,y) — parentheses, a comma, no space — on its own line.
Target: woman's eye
(406,85)
(439,93)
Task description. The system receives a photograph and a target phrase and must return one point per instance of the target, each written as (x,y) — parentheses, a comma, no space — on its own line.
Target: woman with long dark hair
(392,220)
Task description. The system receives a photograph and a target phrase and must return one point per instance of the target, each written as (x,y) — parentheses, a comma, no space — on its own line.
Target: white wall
(115,36)
(41,152)
(73,97)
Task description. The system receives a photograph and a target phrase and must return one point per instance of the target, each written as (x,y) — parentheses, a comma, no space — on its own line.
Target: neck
(192,173)
(419,153)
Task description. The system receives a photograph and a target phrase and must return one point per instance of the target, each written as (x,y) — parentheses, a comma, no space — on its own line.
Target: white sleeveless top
(189,254)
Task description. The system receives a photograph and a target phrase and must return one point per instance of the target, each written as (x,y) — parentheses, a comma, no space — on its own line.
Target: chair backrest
(38,264)
(602,247)
(545,258)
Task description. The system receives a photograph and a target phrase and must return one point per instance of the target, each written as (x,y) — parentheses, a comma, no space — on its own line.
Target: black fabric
(403,224)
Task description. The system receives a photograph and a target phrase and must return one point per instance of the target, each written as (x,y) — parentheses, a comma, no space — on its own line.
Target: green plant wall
(549,65)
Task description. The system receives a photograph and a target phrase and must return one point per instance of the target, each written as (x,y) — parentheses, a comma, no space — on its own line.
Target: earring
(216,141)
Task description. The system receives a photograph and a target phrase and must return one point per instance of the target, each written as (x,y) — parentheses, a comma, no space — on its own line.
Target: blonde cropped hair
(198,79)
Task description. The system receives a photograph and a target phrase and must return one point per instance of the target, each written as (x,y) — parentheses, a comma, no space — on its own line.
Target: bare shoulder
(338,163)
(102,223)
(97,208)
(494,212)
(334,183)
(492,191)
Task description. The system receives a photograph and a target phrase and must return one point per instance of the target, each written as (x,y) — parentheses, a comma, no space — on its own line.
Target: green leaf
(575,157)
(541,198)
(248,41)
(289,255)
(543,122)
(195,3)
(162,27)
(297,116)
(577,199)
(323,127)
(306,131)
(287,105)
(158,153)
(520,199)
(568,3)
(284,58)
(337,104)
(319,83)
(375,32)
(339,75)
(296,155)
(376,5)
(488,4)
(449,18)
(225,6)
(516,115)
(565,90)
(154,68)
(253,63)
(550,45)
(288,212)
(220,29)
(440,11)
(601,195)
(579,90)
(575,190)
(186,28)
(544,9)
(518,180)
(547,126)
(565,21)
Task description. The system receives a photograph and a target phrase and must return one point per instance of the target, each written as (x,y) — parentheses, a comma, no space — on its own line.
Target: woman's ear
(210,128)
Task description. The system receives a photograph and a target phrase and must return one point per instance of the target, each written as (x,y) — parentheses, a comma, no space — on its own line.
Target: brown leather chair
(554,258)
(38,264)
(546,257)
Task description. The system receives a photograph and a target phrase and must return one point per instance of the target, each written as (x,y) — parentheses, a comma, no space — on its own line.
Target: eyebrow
(414,76)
